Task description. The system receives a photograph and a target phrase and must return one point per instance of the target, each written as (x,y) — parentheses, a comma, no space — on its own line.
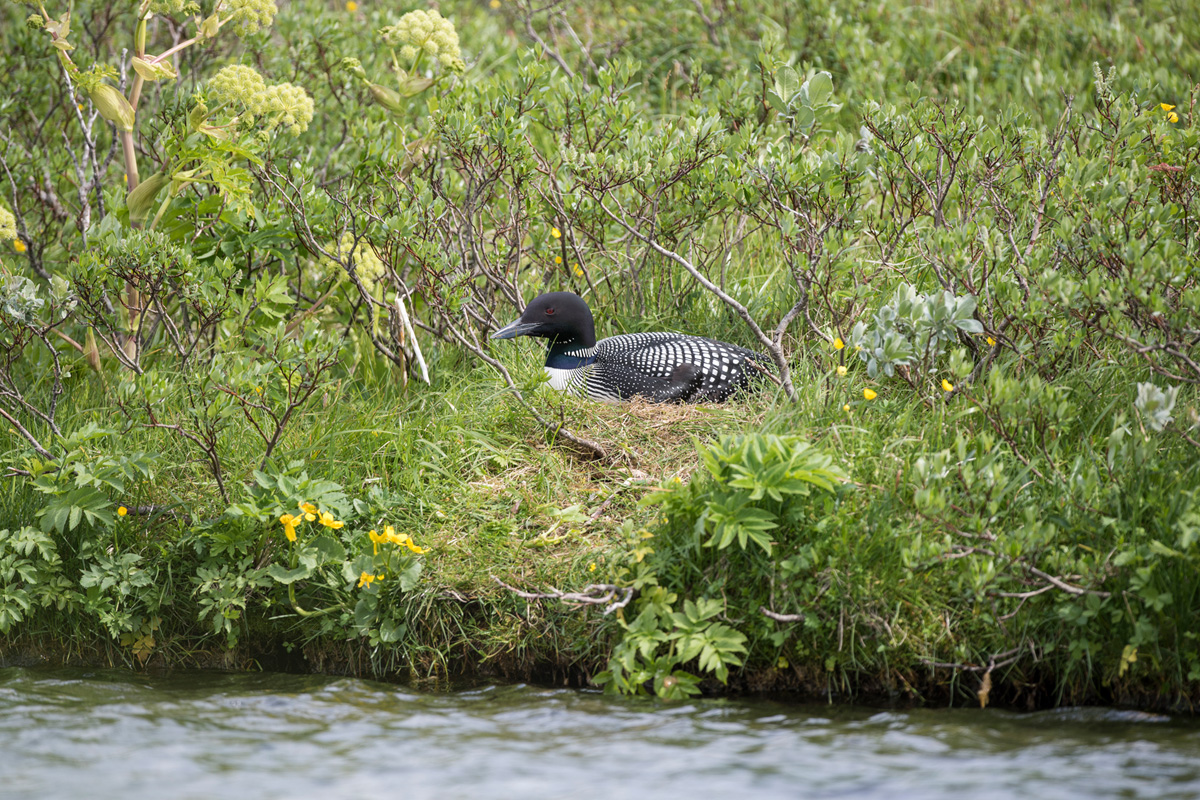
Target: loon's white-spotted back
(661,367)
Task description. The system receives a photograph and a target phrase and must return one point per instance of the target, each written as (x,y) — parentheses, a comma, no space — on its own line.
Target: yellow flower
(376,539)
(578,271)
(947,386)
(558,259)
(991,342)
(556,233)
(122,511)
(1166,106)
(328,521)
(592,567)
(1172,117)
(869,394)
(19,246)
(352,6)
(841,370)
(838,344)
(289,526)
(846,408)
(310,511)
(366,579)
(494,4)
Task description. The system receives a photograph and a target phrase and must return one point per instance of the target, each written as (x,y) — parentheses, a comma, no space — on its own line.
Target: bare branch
(592,595)
(766,612)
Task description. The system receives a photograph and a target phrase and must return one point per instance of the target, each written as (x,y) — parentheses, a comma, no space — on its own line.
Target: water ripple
(111,734)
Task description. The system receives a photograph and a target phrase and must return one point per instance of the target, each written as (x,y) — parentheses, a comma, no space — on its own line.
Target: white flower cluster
(425,32)
(282,105)
(366,261)
(236,83)
(8,225)
(249,16)
(287,105)
(169,8)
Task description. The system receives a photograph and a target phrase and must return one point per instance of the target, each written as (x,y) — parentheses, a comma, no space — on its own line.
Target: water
(111,734)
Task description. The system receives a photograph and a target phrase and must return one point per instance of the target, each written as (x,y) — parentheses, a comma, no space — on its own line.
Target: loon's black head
(561,317)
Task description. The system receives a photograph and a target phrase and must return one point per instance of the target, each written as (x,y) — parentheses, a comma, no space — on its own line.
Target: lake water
(112,734)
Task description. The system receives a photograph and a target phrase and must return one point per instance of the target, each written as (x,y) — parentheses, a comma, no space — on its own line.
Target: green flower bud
(151,71)
(209,28)
(141,199)
(35,22)
(388,98)
(90,351)
(198,116)
(113,106)
(354,67)
(414,85)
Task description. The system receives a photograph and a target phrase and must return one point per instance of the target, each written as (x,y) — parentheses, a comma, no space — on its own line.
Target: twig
(592,595)
(412,336)
(766,612)
(995,661)
(1057,582)
(555,431)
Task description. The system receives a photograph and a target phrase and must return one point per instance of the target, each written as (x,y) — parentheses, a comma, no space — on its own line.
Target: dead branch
(995,661)
(592,595)
(775,615)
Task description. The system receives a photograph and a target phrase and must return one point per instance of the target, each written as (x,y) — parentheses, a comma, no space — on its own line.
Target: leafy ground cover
(252,254)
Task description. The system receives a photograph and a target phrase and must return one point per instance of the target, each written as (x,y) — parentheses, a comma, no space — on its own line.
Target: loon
(661,367)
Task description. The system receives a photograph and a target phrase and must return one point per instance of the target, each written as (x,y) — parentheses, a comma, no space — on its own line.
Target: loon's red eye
(550,312)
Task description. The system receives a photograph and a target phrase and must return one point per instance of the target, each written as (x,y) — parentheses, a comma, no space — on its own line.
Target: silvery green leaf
(787,82)
(1155,404)
(820,87)
(969,325)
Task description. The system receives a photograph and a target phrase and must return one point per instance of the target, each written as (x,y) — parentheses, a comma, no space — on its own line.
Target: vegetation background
(252,253)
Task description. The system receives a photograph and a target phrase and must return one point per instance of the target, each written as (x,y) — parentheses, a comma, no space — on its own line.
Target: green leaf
(329,547)
(820,88)
(787,83)
(410,576)
(286,576)
(391,631)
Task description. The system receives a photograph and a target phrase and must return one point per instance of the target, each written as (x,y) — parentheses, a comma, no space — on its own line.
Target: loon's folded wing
(669,367)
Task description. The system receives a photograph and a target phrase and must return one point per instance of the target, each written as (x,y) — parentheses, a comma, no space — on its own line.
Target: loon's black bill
(514,329)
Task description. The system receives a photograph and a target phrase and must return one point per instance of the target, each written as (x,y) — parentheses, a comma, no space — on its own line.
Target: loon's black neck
(569,355)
